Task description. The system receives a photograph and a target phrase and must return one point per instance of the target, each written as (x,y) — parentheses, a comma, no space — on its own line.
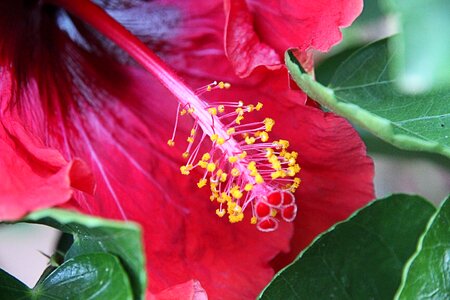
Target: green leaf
(91,276)
(11,288)
(423,44)
(362,92)
(427,273)
(91,235)
(360,258)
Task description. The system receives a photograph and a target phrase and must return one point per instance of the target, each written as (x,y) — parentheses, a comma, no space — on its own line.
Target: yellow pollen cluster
(235,213)
(247,167)
(224,85)
(212,111)
(269,124)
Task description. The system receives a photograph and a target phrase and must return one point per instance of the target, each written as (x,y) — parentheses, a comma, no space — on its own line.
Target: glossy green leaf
(362,92)
(423,45)
(92,276)
(360,258)
(11,288)
(427,274)
(91,235)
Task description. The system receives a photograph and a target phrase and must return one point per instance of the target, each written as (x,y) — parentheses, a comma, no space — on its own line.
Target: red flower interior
(75,100)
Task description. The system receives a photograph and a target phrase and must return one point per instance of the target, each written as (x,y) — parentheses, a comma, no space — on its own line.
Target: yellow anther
(258,106)
(242,155)
(235,172)
(236,217)
(248,187)
(250,107)
(213,187)
(250,140)
(190,139)
(212,111)
(206,157)
(231,130)
(221,85)
(191,110)
(297,168)
(269,152)
(214,137)
(185,155)
(223,177)
(209,88)
(220,212)
(224,198)
(251,165)
(201,183)
(184,170)
(236,194)
(221,108)
(231,206)
(273,212)
(183,112)
(294,154)
(283,143)
(276,165)
(239,111)
(211,167)
(253,220)
(239,119)
(291,171)
(171,143)
(220,141)
(193,131)
(232,159)
(275,175)
(291,161)
(264,136)
(273,159)
(203,164)
(269,123)
(297,180)
(259,179)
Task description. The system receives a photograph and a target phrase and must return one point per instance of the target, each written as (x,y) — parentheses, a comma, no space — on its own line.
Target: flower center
(243,169)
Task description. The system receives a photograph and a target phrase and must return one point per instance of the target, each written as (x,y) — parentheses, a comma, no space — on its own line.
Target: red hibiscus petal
(258,34)
(337,175)
(139,177)
(303,24)
(242,45)
(33,176)
(190,290)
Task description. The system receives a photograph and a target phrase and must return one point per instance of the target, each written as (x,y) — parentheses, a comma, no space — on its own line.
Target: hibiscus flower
(85,127)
